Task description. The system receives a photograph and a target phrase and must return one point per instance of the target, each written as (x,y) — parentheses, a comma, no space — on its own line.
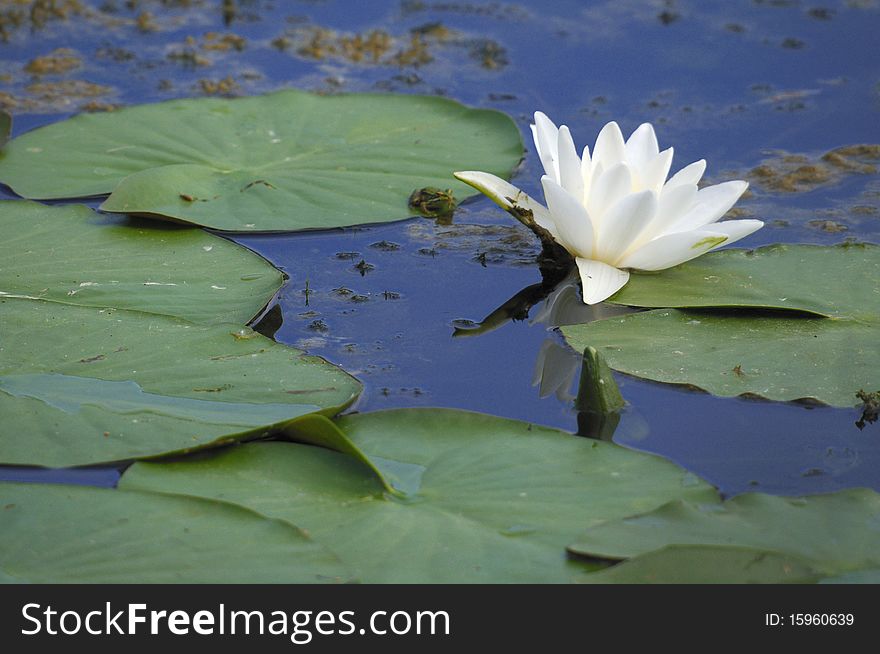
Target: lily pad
(727,354)
(775,354)
(73,255)
(284,161)
(834,533)
(482,499)
(858,577)
(838,282)
(83,385)
(707,564)
(71,534)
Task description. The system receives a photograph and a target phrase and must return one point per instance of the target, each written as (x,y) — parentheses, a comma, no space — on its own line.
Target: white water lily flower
(615,211)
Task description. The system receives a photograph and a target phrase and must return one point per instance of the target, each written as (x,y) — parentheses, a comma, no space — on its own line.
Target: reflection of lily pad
(83,385)
(486,499)
(64,534)
(707,564)
(5,127)
(834,533)
(840,281)
(777,358)
(76,256)
(284,161)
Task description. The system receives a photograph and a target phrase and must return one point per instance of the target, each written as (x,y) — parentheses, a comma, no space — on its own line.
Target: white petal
(690,174)
(641,147)
(600,281)
(655,171)
(571,218)
(607,189)
(546,136)
(570,177)
(609,149)
(672,206)
(598,169)
(736,229)
(673,249)
(507,196)
(623,223)
(711,204)
(586,171)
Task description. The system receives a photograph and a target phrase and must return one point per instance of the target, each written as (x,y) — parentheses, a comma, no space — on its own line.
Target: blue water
(732,82)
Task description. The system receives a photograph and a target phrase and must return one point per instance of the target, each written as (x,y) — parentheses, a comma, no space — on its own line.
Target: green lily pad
(70,534)
(73,255)
(283,161)
(707,564)
(83,385)
(775,354)
(858,577)
(834,533)
(838,282)
(783,359)
(481,499)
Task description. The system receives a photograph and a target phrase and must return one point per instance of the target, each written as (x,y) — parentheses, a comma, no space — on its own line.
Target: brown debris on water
(378,47)
(223,42)
(489,54)
(797,173)
(96,106)
(35,14)
(375,47)
(57,62)
(191,52)
(145,22)
(52,97)
(830,226)
(223,87)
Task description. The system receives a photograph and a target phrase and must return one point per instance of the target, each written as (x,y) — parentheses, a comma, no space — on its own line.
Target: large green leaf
(838,281)
(784,359)
(868,576)
(774,354)
(69,534)
(483,499)
(707,564)
(83,385)
(73,255)
(284,161)
(834,533)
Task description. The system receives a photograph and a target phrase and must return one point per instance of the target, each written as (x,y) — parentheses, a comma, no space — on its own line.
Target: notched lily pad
(777,358)
(708,564)
(834,534)
(81,385)
(478,498)
(768,350)
(110,536)
(72,255)
(283,161)
(839,281)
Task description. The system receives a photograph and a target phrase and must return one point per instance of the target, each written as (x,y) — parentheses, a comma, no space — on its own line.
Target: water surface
(742,84)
